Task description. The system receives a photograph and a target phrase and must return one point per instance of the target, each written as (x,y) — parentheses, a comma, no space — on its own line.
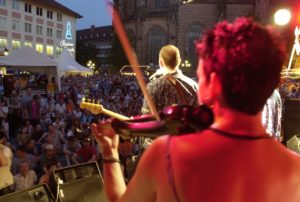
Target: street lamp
(90,64)
(186,64)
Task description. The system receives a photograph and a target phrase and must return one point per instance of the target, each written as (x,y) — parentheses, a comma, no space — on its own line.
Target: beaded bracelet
(110,160)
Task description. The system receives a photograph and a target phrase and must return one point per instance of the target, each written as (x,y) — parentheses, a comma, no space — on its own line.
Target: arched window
(194,33)
(161,4)
(156,39)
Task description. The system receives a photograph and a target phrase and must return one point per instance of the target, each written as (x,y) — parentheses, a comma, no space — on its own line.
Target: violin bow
(130,53)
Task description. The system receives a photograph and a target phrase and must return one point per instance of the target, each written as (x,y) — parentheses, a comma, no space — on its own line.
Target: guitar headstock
(94,108)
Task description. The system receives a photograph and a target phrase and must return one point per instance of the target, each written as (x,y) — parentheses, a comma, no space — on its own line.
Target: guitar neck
(115,115)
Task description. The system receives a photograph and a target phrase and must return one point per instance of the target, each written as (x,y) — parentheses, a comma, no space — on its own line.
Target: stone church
(150,24)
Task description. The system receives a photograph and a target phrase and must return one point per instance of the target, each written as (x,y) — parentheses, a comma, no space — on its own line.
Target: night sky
(94,12)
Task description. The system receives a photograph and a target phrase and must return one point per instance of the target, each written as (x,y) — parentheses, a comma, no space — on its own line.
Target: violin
(174,120)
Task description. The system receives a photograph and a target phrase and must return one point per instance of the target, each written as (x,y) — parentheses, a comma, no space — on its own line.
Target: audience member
(86,153)
(6,177)
(44,179)
(49,158)
(26,178)
(20,156)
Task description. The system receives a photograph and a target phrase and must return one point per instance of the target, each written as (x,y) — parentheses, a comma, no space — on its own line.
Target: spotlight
(282,17)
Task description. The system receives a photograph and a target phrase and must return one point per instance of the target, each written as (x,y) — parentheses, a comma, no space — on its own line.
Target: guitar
(97,108)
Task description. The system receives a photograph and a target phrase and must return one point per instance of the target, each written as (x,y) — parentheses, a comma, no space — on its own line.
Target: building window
(3,43)
(16,44)
(49,32)
(49,50)
(39,48)
(58,51)
(193,34)
(15,25)
(3,22)
(39,11)
(27,8)
(28,44)
(39,30)
(49,14)
(58,34)
(156,39)
(16,4)
(27,27)
(59,17)
(2,2)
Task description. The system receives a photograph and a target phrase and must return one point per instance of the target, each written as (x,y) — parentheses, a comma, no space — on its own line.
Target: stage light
(282,17)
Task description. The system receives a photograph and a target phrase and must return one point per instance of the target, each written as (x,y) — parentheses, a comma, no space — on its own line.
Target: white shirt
(22,182)
(6,178)
(60,108)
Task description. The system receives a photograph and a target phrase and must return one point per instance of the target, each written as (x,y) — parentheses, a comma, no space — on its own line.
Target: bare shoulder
(154,158)
(157,148)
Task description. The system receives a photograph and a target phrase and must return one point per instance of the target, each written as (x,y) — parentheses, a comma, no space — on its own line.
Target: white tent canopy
(66,64)
(28,59)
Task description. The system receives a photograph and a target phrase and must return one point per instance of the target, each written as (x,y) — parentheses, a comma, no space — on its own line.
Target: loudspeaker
(291,118)
(81,182)
(40,193)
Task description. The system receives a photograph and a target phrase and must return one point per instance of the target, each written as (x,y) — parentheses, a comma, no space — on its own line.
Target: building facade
(152,24)
(101,38)
(45,25)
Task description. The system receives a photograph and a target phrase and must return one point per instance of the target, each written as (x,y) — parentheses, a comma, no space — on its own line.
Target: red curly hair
(248,59)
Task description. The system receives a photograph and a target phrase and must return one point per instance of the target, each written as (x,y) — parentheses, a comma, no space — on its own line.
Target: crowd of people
(290,88)
(49,131)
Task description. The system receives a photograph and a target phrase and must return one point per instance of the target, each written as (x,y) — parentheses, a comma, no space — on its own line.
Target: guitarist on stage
(169,85)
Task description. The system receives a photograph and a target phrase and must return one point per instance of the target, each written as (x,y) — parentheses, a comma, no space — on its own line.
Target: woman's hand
(105,135)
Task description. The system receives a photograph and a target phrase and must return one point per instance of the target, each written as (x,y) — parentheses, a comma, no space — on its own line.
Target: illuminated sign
(69,46)
(68,31)
(65,43)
